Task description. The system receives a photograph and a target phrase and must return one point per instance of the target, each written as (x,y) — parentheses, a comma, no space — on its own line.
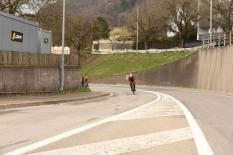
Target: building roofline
(36,24)
(43,30)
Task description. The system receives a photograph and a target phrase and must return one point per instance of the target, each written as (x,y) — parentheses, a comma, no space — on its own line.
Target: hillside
(110,9)
(114,64)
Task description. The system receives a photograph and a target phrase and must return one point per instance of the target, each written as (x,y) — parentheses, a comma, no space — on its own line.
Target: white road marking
(203,91)
(166,107)
(199,138)
(67,134)
(126,145)
(202,144)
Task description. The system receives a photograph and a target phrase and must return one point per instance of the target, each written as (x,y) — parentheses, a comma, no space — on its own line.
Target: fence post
(224,39)
(230,39)
(219,40)
(203,43)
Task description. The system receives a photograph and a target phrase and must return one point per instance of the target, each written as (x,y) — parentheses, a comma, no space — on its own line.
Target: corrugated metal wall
(34,39)
(45,41)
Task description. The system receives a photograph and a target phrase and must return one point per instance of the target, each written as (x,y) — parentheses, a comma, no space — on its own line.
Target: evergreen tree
(100,29)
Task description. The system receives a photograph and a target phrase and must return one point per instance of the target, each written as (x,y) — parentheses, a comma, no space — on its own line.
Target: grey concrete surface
(169,149)
(24,126)
(210,69)
(131,134)
(126,129)
(214,113)
(11,102)
(23,79)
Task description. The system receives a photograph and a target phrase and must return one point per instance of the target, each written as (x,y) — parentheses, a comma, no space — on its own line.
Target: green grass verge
(84,89)
(115,64)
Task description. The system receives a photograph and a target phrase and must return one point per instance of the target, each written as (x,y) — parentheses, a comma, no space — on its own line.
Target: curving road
(213,112)
(23,126)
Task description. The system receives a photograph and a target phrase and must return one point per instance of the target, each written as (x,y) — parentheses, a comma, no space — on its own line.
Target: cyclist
(132,83)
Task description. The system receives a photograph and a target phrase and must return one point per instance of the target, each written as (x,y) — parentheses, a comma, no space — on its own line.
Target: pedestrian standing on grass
(83,81)
(86,81)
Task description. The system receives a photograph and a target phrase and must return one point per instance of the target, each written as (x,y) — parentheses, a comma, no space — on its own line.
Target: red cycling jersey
(131,79)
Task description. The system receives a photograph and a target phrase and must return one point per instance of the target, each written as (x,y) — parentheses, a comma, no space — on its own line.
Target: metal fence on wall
(16,58)
(218,39)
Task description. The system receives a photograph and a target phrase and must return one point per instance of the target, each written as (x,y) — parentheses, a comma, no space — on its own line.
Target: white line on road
(200,140)
(202,144)
(203,91)
(67,134)
(126,145)
(166,107)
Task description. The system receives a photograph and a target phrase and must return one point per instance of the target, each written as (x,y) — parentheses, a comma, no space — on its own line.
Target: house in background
(103,46)
(58,50)
(203,31)
(120,40)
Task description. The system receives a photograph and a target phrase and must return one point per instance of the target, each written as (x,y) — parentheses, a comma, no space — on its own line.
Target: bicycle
(133,87)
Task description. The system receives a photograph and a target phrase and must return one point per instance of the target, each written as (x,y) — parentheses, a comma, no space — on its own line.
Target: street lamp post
(211,20)
(137,29)
(198,19)
(63,46)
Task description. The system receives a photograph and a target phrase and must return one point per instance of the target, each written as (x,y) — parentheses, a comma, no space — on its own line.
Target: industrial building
(20,35)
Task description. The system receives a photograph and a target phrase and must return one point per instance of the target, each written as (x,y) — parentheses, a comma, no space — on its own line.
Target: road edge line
(201,142)
(67,134)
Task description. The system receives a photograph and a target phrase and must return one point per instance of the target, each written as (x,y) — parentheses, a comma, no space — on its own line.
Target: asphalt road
(213,112)
(23,126)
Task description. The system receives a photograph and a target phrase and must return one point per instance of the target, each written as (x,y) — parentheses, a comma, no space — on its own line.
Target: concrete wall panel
(210,69)
(20,79)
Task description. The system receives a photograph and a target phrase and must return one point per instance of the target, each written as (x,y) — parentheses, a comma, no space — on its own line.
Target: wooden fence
(20,58)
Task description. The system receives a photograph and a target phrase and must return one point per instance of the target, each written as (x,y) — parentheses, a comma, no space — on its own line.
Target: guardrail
(151,50)
(218,39)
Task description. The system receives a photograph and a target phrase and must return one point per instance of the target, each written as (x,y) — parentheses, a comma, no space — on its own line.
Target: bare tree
(78,33)
(152,22)
(223,11)
(78,30)
(50,18)
(182,17)
(23,7)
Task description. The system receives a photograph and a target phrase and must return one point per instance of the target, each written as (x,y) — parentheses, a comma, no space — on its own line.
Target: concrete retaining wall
(210,69)
(21,79)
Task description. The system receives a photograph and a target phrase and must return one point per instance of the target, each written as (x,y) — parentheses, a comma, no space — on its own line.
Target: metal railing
(218,40)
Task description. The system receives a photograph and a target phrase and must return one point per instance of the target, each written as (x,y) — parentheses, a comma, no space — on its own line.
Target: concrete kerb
(50,102)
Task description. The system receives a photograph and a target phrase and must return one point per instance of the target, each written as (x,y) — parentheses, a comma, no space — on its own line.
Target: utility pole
(137,29)
(198,19)
(63,47)
(211,20)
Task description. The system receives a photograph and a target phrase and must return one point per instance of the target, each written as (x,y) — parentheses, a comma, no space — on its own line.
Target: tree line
(156,20)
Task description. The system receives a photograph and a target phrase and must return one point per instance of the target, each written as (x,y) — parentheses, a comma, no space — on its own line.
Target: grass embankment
(84,89)
(115,64)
